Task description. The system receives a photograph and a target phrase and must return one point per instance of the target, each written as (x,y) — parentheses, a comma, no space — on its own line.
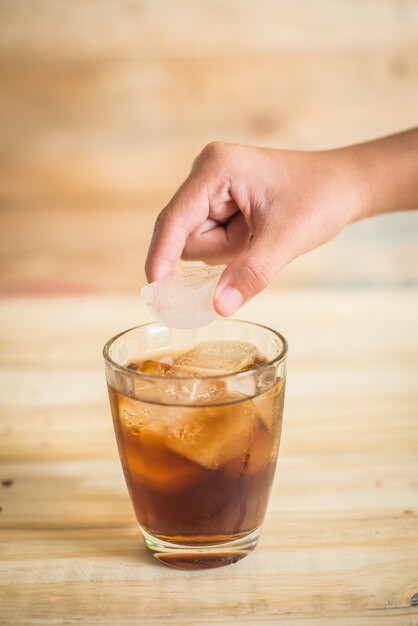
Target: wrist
(384,172)
(352,188)
(355,183)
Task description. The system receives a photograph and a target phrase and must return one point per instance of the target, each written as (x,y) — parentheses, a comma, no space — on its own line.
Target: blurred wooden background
(104,104)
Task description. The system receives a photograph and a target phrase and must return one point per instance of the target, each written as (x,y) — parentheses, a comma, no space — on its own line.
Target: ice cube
(144,430)
(255,457)
(148,387)
(146,458)
(150,463)
(260,453)
(184,299)
(188,389)
(136,416)
(155,368)
(269,405)
(216,358)
(212,435)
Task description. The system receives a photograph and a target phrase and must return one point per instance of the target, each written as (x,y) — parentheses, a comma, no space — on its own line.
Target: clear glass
(198,452)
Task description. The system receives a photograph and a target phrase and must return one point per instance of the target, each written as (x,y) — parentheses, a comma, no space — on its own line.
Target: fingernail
(230,300)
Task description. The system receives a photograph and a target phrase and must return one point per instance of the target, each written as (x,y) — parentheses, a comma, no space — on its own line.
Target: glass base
(201,556)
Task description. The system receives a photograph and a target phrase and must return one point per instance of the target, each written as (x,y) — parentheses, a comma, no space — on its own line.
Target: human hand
(257,209)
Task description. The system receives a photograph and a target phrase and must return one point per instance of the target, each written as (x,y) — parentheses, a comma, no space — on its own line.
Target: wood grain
(91,493)
(119,111)
(104,106)
(340,541)
(286,577)
(65,251)
(114,133)
(58,31)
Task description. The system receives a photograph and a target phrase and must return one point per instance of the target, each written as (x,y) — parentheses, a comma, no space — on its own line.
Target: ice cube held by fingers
(184,299)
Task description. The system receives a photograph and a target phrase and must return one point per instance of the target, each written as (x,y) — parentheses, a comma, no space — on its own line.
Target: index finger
(184,213)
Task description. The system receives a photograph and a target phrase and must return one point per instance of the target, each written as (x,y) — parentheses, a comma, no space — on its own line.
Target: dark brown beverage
(200,474)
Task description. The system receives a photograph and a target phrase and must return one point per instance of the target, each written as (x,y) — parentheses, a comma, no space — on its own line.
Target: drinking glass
(198,451)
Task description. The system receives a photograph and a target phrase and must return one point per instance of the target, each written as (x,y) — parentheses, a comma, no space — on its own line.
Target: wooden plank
(320,564)
(91,493)
(53,400)
(75,431)
(127,133)
(319,407)
(62,494)
(51,31)
(83,431)
(348,327)
(59,251)
(392,617)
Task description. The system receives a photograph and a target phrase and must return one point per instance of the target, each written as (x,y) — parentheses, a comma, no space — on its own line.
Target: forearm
(387,173)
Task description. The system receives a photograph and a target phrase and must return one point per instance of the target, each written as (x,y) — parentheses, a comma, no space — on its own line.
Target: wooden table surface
(340,541)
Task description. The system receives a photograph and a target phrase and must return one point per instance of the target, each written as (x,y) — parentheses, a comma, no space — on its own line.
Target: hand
(255,208)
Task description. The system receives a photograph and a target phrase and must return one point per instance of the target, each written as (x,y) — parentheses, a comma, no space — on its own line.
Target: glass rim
(258,368)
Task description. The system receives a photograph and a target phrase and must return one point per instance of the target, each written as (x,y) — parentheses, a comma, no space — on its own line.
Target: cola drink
(199,463)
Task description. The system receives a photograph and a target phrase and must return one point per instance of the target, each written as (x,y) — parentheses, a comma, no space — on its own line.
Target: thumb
(248,274)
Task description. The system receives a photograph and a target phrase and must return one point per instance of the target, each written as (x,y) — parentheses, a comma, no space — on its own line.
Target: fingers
(187,210)
(205,193)
(166,246)
(248,274)
(211,218)
(214,242)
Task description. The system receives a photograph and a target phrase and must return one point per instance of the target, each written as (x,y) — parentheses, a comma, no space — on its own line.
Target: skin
(257,209)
